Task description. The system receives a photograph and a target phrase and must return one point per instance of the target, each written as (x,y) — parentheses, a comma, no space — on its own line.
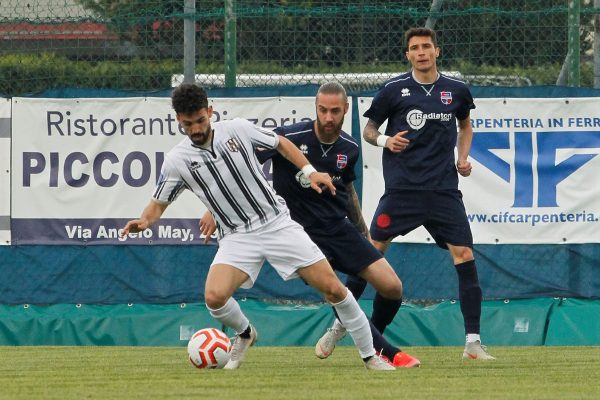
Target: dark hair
(412,32)
(333,88)
(188,98)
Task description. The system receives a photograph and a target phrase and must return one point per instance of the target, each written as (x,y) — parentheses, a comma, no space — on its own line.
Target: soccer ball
(209,348)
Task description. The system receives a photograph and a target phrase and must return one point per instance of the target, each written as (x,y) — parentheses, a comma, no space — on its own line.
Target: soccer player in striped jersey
(422,108)
(335,223)
(218,164)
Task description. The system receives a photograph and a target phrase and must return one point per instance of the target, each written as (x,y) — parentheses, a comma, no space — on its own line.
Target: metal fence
(149,44)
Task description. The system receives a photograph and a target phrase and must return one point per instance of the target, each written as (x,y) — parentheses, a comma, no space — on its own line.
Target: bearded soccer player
(335,223)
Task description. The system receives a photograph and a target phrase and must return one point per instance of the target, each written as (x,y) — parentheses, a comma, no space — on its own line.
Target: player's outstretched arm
(318,180)
(150,215)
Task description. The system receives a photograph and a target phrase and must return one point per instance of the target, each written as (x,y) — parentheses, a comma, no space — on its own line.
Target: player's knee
(215,299)
(334,291)
(384,279)
(396,290)
(392,289)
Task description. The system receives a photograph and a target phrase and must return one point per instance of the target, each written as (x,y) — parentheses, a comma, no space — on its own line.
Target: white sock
(473,337)
(337,325)
(357,324)
(231,315)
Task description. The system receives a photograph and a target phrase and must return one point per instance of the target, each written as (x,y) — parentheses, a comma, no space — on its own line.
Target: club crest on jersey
(446,97)
(342,161)
(233,145)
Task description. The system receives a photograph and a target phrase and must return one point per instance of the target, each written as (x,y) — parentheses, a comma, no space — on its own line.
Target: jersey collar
(412,72)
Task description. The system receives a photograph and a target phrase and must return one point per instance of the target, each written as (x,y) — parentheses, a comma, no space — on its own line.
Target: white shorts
(282,242)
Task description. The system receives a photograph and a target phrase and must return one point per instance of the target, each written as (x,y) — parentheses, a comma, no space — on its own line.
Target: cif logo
(542,162)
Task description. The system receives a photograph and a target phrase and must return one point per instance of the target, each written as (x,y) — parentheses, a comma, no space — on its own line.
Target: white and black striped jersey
(226,176)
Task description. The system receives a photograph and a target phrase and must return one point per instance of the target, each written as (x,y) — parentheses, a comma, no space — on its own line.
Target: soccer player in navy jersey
(218,164)
(422,108)
(335,223)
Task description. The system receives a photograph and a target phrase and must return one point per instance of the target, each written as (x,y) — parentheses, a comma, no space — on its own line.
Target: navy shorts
(345,248)
(441,212)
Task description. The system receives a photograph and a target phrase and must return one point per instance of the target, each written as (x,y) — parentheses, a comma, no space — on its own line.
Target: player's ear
(209,112)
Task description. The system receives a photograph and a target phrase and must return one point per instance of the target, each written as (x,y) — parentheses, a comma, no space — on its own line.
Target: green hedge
(25,74)
(22,74)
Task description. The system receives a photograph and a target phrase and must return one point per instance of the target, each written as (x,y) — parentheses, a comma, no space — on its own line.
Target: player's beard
(200,138)
(329,131)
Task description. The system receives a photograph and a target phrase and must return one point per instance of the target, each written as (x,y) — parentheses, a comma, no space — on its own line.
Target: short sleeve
(263,154)
(169,185)
(467,105)
(379,110)
(260,137)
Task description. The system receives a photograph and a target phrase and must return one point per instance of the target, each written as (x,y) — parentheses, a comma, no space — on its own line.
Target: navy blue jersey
(429,113)
(307,207)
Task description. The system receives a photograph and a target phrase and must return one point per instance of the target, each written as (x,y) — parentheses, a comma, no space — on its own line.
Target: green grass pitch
(295,373)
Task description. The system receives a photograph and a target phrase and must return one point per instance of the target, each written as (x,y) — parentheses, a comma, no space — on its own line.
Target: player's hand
(134,226)
(208,226)
(398,142)
(464,167)
(320,181)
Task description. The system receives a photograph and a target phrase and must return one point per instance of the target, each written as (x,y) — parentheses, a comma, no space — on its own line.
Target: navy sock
(356,285)
(384,311)
(469,294)
(246,333)
(381,344)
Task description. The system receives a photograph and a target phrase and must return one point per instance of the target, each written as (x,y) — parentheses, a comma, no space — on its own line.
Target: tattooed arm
(354,211)
(371,132)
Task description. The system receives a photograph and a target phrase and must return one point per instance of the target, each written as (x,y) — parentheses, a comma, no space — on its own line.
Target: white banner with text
(83,167)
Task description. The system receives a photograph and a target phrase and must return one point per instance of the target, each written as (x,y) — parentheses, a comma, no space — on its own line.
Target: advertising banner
(536,172)
(4,171)
(83,167)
